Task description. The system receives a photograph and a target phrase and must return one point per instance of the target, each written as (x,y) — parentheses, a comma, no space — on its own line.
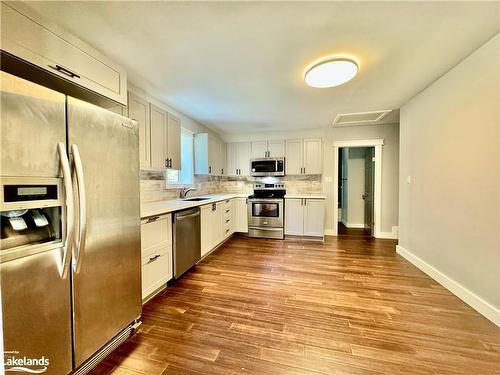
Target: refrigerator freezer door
(36,310)
(107,287)
(32,123)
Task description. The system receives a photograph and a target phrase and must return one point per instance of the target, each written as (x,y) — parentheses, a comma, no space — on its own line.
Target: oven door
(265,212)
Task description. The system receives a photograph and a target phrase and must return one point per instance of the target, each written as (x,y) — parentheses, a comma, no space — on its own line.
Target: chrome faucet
(184,191)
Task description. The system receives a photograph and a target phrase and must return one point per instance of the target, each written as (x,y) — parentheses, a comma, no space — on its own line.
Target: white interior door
(368,196)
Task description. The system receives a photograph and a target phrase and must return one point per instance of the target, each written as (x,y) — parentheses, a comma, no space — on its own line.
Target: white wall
(390,168)
(356,187)
(390,163)
(450,146)
(186,121)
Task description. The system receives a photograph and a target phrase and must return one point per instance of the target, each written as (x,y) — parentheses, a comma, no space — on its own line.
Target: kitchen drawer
(227,232)
(26,35)
(156,233)
(156,270)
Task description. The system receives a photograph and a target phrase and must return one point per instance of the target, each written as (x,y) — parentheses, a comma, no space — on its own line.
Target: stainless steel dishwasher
(187,241)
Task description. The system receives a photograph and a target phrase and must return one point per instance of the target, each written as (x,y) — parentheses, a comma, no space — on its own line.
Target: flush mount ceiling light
(331,72)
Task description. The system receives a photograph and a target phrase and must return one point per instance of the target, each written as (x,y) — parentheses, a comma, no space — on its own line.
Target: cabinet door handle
(304,170)
(152,259)
(305,202)
(227,221)
(170,163)
(209,169)
(65,71)
(166,163)
(222,170)
(152,219)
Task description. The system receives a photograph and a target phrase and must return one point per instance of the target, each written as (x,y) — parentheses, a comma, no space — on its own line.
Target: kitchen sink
(197,199)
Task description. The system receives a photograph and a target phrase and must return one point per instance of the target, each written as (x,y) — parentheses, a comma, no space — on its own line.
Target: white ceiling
(238,66)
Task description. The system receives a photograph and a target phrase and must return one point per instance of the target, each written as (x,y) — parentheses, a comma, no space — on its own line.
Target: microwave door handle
(68,193)
(82,209)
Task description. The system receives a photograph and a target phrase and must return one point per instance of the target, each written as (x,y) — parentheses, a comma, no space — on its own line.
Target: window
(185,175)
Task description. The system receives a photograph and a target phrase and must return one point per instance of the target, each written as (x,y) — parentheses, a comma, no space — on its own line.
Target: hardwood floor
(349,305)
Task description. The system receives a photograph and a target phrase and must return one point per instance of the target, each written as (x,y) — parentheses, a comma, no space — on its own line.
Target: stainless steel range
(266,210)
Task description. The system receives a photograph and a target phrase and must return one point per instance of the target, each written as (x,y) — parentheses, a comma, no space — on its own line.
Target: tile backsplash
(153,186)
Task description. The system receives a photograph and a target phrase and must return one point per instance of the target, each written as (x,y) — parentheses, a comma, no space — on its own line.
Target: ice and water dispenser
(30,212)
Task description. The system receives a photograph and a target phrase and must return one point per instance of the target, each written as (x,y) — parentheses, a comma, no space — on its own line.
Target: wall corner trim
(477,303)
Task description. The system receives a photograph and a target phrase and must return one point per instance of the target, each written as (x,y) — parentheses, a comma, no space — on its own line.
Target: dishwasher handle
(186,214)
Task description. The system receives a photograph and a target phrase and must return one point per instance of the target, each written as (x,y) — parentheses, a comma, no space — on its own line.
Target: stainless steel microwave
(267,167)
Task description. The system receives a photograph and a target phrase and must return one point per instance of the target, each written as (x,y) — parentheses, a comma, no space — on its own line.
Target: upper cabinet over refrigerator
(25,34)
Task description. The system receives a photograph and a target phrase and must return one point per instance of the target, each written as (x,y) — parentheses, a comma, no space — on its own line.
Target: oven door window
(265,209)
(264,166)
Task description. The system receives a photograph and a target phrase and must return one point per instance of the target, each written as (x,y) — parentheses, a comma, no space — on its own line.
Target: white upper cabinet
(232,159)
(244,158)
(27,35)
(138,109)
(276,149)
(207,155)
(223,159)
(173,142)
(159,134)
(294,156)
(158,137)
(304,156)
(313,156)
(238,158)
(259,149)
(268,149)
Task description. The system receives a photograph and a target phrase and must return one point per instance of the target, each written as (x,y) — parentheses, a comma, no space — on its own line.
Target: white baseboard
(476,302)
(387,235)
(354,225)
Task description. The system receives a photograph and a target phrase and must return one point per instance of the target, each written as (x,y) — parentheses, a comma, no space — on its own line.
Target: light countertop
(171,205)
(306,196)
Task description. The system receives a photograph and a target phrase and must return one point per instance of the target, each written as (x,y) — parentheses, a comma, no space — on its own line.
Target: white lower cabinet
(206,229)
(156,250)
(304,217)
(156,271)
(314,216)
(216,224)
(240,215)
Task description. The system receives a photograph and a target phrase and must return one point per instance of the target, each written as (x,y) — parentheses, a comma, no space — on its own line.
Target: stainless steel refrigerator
(70,228)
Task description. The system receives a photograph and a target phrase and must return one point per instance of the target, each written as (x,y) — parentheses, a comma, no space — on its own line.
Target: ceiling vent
(359,117)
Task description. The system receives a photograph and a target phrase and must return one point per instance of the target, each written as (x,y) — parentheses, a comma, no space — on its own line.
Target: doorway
(356,179)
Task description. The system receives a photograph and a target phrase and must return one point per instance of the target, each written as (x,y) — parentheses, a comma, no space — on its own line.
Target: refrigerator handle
(68,192)
(82,210)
